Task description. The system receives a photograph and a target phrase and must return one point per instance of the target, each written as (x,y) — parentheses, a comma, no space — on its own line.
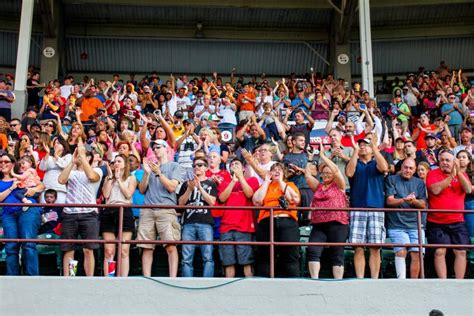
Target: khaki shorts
(245,115)
(161,221)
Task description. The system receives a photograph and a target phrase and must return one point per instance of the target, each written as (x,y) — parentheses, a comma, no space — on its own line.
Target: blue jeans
(202,232)
(469,218)
(22,225)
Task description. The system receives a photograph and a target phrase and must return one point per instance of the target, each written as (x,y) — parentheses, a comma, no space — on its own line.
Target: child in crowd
(51,218)
(28,178)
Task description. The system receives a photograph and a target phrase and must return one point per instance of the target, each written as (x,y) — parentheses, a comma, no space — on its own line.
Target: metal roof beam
(264,4)
(152,31)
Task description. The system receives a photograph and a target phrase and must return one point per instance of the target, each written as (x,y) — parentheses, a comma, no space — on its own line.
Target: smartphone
(157,112)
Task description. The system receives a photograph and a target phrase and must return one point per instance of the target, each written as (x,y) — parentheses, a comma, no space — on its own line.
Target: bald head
(408,168)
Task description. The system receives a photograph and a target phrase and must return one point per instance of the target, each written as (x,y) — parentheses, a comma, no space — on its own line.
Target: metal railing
(271,243)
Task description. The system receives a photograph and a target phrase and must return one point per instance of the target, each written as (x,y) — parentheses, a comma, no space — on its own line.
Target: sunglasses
(4,161)
(49,125)
(158,147)
(13,125)
(199,165)
(152,127)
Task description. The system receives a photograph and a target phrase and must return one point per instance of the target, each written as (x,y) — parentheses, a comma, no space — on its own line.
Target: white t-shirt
(170,106)
(265,167)
(81,191)
(183,103)
(268,99)
(66,90)
(228,115)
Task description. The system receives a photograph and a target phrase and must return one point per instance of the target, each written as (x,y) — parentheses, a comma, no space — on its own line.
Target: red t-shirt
(238,220)
(347,142)
(451,198)
(420,142)
(225,177)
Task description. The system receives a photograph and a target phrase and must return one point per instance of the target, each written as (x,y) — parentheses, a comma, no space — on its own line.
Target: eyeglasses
(199,165)
(325,174)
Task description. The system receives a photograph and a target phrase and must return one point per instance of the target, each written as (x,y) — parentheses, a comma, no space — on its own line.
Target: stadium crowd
(202,141)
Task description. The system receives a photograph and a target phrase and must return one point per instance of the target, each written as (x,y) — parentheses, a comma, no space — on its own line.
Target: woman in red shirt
(328,226)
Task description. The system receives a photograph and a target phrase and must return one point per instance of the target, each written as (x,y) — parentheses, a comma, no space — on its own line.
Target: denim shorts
(233,254)
(405,236)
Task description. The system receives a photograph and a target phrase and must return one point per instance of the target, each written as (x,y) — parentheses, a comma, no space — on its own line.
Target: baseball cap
(365,140)
(213,117)
(431,135)
(179,114)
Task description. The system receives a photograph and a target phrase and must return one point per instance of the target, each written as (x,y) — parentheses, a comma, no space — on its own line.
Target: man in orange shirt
(90,105)
(246,102)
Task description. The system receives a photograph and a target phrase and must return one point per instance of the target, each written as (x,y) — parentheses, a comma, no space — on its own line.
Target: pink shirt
(31,180)
(331,197)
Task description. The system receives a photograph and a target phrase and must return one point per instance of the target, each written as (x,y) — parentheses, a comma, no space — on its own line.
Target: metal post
(23,57)
(272,245)
(120,240)
(420,245)
(366,47)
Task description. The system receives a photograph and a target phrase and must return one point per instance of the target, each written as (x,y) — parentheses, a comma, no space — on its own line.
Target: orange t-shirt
(420,142)
(246,105)
(271,199)
(89,107)
(3,141)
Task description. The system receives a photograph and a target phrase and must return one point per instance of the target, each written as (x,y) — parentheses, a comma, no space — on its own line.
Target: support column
(50,62)
(339,45)
(342,62)
(22,58)
(366,47)
(53,39)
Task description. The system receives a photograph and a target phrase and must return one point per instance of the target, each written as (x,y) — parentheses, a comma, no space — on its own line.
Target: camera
(283,202)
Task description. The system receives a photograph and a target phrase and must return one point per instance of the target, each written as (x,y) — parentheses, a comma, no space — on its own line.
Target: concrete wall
(101,296)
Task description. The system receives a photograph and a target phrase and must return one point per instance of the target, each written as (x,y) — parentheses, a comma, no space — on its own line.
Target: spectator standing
(327,226)
(405,191)
(466,141)
(237,225)
(83,183)
(6,99)
(455,111)
(286,228)
(118,188)
(296,160)
(53,164)
(366,171)
(198,223)
(447,188)
(18,223)
(159,184)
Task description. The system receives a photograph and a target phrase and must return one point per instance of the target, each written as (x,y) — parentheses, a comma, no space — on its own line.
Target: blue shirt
(367,186)
(455,116)
(138,198)
(4,185)
(299,103)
